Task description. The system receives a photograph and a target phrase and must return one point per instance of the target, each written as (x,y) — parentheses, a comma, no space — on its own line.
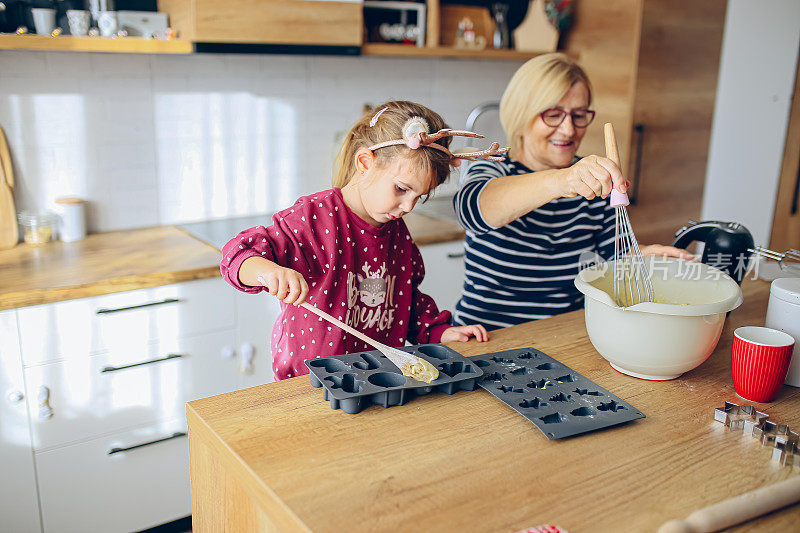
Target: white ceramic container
(783,313)
(44,20)
(663,339)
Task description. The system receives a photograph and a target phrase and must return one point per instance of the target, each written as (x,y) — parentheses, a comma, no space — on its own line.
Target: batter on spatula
(422,371)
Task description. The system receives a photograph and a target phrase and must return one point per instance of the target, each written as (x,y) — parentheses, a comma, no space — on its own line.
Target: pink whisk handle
(619,199)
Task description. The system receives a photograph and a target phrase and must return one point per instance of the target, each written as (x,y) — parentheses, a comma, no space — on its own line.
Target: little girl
(347,250)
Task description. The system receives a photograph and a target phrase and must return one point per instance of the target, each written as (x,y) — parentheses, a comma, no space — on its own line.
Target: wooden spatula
(410,365)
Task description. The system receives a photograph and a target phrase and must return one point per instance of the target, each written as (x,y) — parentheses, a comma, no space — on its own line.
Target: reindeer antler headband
(415,134)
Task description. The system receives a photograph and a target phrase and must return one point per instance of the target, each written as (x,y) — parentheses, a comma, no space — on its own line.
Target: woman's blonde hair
(389,126)
(537,85)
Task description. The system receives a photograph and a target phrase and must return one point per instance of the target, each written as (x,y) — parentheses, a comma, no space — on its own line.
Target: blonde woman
(531,217)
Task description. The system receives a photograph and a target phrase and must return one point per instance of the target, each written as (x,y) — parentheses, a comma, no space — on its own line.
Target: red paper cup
(759,361)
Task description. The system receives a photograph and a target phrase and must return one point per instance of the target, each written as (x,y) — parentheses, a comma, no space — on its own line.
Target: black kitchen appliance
(727,247)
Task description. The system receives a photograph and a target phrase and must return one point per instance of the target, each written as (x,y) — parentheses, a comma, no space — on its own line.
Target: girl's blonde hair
(389,126)
(537,85)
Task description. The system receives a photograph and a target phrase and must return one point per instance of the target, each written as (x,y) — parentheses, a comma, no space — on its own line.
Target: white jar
(73,219)
(783,313)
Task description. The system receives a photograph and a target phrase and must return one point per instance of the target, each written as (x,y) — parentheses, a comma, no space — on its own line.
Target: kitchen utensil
(789,261)
(353,382)
(759,361)
(96,7)
(739,509)
(632,283)
(44,20)
(783,313)
(536,33)
(5,159)
(409,365)
(500,38)
(660,340)
(9,231)
(757,424)
(727,244)
(555,398)
(744,417)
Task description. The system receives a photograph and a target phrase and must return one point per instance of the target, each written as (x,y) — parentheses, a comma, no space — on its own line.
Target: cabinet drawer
(84,488)
(76,328)
(444,272)
(105,393)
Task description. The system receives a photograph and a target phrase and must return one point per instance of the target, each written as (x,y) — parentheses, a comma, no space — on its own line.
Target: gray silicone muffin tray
(353,382)
(558,400)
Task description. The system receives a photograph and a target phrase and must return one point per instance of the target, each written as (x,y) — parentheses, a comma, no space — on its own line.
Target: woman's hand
(661,250)
(286,284)
(591,177)
(463,333)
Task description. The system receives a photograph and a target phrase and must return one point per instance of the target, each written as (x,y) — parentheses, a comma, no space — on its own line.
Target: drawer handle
(150,362)
(175,435)
(104,311)
(456,255)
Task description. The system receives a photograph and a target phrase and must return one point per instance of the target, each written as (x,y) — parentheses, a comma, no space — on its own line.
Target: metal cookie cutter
(785,442)
(786,456)
(738,417)
(776,435)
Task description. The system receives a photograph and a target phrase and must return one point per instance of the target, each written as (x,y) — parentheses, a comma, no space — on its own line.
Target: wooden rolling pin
(736,510)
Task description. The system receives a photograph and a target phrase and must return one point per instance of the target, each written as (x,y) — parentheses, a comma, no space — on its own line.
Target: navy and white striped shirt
(524,270)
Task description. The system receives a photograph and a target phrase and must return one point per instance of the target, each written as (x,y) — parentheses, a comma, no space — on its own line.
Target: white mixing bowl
(664,339)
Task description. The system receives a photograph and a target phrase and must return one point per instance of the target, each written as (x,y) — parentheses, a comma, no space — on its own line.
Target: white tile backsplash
(158,139)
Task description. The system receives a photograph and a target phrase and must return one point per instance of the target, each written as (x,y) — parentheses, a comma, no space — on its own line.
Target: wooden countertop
(429,230)
(278,455)
(119,261)
(102,263)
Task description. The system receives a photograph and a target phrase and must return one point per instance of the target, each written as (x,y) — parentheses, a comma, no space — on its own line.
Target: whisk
(632,284)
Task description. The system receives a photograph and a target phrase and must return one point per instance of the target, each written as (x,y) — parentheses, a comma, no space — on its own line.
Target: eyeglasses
(554,116)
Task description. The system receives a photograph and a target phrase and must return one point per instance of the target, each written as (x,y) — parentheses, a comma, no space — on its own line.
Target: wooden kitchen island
(278,458)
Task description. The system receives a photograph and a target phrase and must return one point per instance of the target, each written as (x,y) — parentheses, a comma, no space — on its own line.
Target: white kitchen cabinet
(111,391)
(19,507)
(119,321)
(444,272)
(124,482)
(255,316)
(113,373)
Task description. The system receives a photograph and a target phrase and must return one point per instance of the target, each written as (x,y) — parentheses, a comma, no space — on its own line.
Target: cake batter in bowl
(663,339)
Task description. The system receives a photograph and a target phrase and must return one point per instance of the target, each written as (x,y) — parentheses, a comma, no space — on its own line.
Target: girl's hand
(286,284)
(665,251)
(463,333)
(591,177)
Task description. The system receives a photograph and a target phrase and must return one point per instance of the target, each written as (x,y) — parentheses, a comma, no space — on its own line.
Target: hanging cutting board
(9,232)
(536,34)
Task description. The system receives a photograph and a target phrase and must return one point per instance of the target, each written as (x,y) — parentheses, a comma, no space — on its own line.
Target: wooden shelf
(402,50)
(68,43)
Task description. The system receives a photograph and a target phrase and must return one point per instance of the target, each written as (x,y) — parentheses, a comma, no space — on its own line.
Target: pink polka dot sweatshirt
(366,276)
